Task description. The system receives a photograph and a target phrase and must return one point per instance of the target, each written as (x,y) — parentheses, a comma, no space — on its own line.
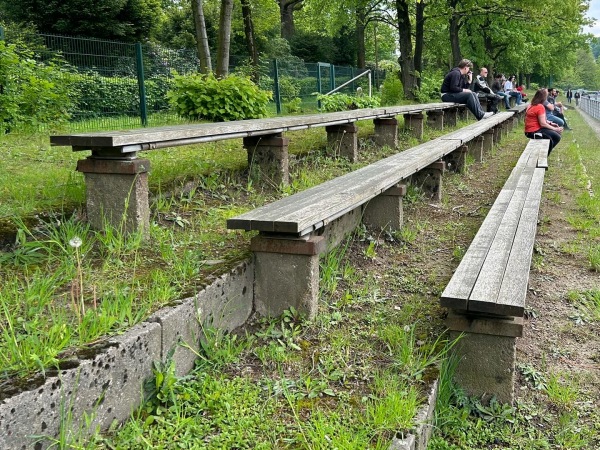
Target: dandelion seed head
(75,242)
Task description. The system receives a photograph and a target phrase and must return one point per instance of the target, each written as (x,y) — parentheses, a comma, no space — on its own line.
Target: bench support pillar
(413,123)
(429,179)
(463,112)
(117,193)
(386,132)
(486,354)
(488,141)
(342,140)
(451,117)
(385,211)
(476,148)
(435,119)
(456,161)
(497,133)
(268,158)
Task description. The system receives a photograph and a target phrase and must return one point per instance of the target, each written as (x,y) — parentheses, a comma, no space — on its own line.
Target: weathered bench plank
(469,133)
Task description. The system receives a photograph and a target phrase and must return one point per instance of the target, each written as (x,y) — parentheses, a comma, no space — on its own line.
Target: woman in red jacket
(536,125)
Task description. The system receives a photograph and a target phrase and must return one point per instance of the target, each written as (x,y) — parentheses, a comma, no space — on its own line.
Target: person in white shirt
(511,90)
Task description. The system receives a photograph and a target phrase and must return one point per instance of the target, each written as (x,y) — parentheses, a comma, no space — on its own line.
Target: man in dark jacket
(455,89)
(482,89)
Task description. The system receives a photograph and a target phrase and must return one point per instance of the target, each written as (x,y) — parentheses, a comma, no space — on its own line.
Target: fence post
(277,92)
(139,63)
(319,83)
(1,33)
(332,77)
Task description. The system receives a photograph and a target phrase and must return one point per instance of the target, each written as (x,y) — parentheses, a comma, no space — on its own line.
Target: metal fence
(590,103)
(118,85)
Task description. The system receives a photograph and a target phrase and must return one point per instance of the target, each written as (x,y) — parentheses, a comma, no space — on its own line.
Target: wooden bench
(116,179)
(295,230)
(486,294)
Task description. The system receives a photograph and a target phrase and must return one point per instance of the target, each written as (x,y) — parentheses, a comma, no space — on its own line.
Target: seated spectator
(511,90)
(521,89)
(498,89)
(482,89)
(455,88)
(536,124)
(559,108)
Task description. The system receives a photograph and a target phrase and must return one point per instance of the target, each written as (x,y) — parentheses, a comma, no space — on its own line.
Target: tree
(224,39)
(406,60)
(201,37)
(250,40)
(286,9)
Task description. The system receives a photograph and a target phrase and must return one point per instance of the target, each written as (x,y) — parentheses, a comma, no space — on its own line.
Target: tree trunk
(419,40)
(286,12)
(202,47)
(360,40)
(250,41)
(407,67)
(224,38)
(454,28)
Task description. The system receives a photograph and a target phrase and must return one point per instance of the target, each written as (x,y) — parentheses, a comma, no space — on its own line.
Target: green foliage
(392,91)
(288,88)
(343,102)
(31,93)
(207,97)
(430,87)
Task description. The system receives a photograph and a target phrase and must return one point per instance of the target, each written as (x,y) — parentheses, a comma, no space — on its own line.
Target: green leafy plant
(207,97)
(343,102)
(392,91)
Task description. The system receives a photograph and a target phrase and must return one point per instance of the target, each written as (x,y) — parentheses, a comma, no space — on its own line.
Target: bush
(430,87)
(343,102)
(392,91)
(288,88)
(32,93)
(206,97)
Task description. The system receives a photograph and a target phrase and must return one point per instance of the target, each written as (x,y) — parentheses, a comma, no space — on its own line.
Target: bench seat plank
(160,137)
(459,289)
(310,209)
(467,134)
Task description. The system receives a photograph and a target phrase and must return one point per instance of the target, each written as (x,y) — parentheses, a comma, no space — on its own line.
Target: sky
(594,12)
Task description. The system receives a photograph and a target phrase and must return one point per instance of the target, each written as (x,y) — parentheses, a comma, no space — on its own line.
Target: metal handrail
(366,72)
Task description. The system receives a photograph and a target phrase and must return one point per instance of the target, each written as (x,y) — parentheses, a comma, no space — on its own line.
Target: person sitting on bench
(482,89)
(455,89)
(536,125)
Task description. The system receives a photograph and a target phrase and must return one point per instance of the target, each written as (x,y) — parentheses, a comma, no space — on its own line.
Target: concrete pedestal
(476,148)
(385,211)
(386,132)
(117,193)
(451,117)
(463,112)
(342,140)
(413,123)
(429,180)
(268,158)
(488,141)
(456,161)
(435,119)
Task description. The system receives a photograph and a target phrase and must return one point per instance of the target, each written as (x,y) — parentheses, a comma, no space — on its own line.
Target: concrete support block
(486,365)
(342,140)
(385,211)
(225,304)
(483,101)
(463,112)
(429,180)
(435,119)
(386,132)
(476,148)
(117,192)
(286,274)
(497,133)
(268,158)
(456,161)
(413,123)
(451,117)
(488,141)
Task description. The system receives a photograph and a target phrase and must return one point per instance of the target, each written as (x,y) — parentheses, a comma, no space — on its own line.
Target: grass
(351,378)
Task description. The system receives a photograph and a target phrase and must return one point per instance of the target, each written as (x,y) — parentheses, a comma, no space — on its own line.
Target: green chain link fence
(118,85)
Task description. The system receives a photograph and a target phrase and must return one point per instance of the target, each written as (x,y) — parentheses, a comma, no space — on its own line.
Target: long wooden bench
(295,230)
(486,294)
(116,179)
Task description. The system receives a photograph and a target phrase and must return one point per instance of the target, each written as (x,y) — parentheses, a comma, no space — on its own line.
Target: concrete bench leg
(488,141)
(413,123)
(385,211)
(476,148)
(486,354)
(386,132)
(268,158)
(451,117)
(429,180)
(456,161)
(435,119)
(286,274)
(117,192)
(342,140)
(497,133)
(483,102)
(463,112)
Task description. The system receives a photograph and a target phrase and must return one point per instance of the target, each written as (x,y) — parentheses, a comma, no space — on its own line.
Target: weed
(561,392)
(594,257)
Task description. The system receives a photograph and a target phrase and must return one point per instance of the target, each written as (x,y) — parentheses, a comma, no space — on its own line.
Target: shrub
(288,88)
(343,102)
(206,97)
(430,87)
(32,93)
(392,91)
